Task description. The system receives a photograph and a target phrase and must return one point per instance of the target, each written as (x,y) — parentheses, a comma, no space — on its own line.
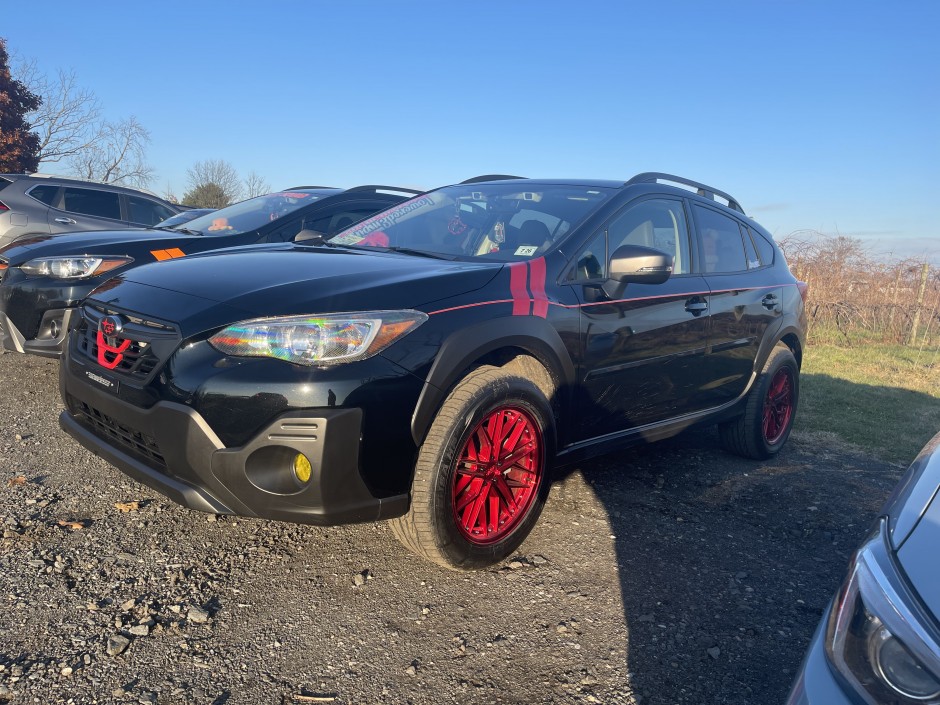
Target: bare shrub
(855,296)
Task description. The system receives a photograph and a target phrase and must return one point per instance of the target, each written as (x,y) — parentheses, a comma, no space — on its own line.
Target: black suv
(34,204)
(43,278)
(432,363)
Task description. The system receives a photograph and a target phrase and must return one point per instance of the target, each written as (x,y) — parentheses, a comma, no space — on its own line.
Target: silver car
(879,640)
(32,204)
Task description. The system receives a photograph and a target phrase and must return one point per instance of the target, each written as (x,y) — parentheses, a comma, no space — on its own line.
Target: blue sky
(814,115)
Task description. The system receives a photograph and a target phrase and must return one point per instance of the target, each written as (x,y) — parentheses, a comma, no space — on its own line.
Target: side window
(45,193)
(722,245)
(753,261)
(765,248)
(334,222)
(286,231)
(658,223)
(146,212)
(93,202)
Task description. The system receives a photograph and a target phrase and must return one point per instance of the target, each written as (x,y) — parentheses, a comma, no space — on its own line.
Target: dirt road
(672,573)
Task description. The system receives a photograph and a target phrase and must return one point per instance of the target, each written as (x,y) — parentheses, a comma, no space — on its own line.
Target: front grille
(150,342)
(110,429)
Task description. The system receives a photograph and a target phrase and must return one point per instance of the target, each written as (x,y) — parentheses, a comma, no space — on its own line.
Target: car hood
(917,553)
(110,242)
(204,292)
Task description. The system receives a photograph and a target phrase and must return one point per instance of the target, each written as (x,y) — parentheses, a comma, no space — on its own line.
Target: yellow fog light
(302,468)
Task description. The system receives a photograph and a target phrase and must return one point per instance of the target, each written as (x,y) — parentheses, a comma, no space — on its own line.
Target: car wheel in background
(761,431)
(481,478)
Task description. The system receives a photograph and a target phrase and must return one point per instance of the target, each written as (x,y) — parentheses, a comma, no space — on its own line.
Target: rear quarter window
(45,193)
(765,248)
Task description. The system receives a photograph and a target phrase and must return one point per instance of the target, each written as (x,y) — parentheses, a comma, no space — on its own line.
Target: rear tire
(764,427)
(472,507)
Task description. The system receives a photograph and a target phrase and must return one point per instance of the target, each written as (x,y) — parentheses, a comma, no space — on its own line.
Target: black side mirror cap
(636,264)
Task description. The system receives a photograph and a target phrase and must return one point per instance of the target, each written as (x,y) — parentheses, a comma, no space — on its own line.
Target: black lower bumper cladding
(171,449)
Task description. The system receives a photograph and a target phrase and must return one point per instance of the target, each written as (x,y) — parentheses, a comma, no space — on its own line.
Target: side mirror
(636,264)
(306,235)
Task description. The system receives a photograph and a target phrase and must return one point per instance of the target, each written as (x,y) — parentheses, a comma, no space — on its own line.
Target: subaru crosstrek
(432,363)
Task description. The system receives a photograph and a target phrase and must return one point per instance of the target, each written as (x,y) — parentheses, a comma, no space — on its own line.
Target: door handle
(66,221)
(769,302)
(696,307)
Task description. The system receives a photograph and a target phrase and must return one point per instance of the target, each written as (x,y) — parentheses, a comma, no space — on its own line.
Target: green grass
(882,398)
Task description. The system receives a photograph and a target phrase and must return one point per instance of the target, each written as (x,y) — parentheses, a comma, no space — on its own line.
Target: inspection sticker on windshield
(526,250)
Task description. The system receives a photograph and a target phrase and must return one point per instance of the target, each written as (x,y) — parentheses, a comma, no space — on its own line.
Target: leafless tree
(255,185)
(118,155)
(218,172)
(71,130)
(67,122)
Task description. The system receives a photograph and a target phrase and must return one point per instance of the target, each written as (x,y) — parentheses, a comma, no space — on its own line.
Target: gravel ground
(672,573)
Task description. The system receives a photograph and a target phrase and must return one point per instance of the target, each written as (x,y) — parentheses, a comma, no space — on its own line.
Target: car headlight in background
(878,637)
(317,340)
(73,267)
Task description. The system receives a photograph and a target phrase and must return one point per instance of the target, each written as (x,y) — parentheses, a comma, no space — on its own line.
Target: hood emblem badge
(111,348)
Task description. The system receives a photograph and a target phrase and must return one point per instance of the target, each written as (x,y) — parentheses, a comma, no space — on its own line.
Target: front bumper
(170,448)
(50,340)
(816,684)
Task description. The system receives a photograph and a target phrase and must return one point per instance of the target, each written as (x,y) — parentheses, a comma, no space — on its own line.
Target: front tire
(481,478)
(764,427)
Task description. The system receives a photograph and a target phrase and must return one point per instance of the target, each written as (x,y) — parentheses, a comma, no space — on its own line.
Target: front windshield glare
(251,214)
(505,222)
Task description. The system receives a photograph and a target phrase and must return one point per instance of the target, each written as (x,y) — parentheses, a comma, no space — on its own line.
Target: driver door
(642,353)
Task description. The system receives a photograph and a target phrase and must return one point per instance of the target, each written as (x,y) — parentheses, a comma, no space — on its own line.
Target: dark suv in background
(44,277)
(432,363)
(32,204)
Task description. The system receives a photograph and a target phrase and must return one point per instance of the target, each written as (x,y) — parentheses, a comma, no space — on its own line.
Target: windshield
(251,214)
(183,217)
(505,222)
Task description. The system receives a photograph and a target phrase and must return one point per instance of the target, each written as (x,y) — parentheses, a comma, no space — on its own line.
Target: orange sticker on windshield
(172,253)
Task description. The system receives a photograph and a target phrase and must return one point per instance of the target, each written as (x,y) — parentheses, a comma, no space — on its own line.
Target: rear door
(642,353)
(80,208)
(744,301)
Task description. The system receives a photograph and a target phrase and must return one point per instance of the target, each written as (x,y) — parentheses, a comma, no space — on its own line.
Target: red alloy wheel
(778,406)
(498,475)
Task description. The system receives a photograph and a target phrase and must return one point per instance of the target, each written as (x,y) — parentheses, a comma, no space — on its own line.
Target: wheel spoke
(474,512)
(470,495)
(493,523)
(506,494)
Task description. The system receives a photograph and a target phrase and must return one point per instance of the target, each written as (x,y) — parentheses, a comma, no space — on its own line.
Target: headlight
(877,638)
(317,340)
(73,267)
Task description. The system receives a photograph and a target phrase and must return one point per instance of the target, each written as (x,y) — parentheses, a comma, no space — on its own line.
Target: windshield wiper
(418,253)
(177,229)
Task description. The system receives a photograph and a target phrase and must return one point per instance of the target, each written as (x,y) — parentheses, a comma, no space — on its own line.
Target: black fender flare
(532,334)
(788,325)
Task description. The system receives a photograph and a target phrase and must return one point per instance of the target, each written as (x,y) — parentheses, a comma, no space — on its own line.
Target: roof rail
(701,189)
(392,189)
(97,182)
(295,188)
(491,177)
